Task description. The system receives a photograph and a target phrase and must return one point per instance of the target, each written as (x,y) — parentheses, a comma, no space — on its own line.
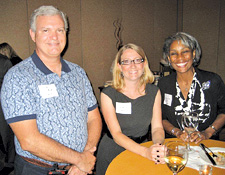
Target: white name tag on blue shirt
(123,108)
(48,91)
(167,99)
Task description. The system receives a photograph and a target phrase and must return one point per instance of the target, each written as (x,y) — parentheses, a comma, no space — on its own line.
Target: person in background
(7,50)
(130,103)
(6,132)
(190,89)
(50,105)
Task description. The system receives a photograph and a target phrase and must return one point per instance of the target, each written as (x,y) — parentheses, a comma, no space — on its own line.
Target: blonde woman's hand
(156,153)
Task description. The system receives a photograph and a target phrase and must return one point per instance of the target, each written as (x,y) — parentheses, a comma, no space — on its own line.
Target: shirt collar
(41,66)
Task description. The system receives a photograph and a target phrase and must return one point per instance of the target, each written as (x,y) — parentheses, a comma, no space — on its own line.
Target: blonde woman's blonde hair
(118,80)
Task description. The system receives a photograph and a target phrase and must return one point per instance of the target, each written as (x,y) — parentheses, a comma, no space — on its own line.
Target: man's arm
(33,141)
(94,128)
(94,132)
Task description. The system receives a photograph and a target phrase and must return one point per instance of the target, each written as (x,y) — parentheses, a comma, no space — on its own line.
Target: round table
(129,163)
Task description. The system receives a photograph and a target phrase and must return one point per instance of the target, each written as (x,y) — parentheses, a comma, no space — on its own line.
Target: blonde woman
(130,103)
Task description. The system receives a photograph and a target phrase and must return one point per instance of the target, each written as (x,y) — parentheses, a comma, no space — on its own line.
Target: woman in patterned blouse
(190,89)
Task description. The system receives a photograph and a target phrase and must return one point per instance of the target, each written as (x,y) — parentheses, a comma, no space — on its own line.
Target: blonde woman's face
(132,71)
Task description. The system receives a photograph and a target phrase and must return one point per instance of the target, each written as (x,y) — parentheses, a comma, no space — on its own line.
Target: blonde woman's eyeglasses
(135,61)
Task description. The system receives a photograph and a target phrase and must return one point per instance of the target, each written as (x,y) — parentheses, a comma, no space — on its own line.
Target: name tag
(123,108)
(167,99)
(48,91)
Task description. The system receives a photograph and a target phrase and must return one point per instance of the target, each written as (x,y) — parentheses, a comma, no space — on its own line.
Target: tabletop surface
(128,163)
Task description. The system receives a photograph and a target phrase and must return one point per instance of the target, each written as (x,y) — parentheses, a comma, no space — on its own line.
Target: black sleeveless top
(137,117)
(134,124)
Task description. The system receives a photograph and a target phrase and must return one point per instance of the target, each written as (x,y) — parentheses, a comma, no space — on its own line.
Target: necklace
(184,86)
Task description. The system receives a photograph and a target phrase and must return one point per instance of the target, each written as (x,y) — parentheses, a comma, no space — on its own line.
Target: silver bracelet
(173,130)
(213,127)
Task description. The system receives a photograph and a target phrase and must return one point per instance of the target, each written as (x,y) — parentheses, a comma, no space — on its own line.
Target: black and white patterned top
(206,96)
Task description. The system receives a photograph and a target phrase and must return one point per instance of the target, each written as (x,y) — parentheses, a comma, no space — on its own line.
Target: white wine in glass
(189,123)
(176,156)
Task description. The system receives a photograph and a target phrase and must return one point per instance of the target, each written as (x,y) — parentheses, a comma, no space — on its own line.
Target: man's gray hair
(47,11)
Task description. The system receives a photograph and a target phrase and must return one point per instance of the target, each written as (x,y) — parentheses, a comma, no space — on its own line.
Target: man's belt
(136,139)
(42,164)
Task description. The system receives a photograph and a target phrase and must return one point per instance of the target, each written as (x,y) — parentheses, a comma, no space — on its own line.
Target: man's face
(50,36)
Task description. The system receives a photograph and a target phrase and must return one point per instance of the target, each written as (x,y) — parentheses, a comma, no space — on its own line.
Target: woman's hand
(156,153)
(199,136)
(182,135)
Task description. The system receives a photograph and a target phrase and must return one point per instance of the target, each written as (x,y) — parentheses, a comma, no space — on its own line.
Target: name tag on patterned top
(123,108)
(48,91)
(167,99)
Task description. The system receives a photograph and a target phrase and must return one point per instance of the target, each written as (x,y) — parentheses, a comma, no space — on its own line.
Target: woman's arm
(220,119)
(158,134)
(208,133)
(169,128)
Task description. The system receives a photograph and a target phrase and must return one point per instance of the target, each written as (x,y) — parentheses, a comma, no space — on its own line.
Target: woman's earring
(194,60)
(170,65)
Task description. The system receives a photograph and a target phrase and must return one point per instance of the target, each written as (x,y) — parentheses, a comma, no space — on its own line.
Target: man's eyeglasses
(135,61)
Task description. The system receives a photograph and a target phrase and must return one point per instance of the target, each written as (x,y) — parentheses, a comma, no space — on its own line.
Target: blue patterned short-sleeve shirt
(60,105)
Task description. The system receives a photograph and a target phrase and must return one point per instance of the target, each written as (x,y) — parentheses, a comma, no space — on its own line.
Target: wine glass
(176,156)
(189,123)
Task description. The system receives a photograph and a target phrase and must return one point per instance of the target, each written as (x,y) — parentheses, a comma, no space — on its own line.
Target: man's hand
(75,171)
(87,162)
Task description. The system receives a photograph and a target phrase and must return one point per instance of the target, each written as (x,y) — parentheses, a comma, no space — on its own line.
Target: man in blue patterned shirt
(50,105)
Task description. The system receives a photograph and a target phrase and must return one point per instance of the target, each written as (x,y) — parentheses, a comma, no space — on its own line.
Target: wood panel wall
(202,19)
(91,41)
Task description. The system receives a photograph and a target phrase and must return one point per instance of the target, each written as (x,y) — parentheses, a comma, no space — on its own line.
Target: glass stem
(188,144)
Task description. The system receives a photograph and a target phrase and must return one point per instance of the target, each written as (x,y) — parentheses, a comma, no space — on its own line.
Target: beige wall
(91,42)
(205,25)
(13,28)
